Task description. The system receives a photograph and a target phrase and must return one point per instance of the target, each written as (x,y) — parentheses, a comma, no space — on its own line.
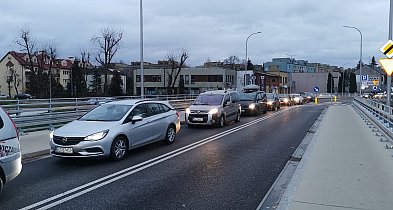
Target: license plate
(66,150)
(198,119)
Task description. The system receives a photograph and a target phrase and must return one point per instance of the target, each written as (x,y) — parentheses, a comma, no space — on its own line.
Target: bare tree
(108,44)
(176,66)
(232,61)
(27,45)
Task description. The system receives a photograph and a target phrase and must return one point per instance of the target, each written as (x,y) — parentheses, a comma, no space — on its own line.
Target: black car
(253,102)
(23,96)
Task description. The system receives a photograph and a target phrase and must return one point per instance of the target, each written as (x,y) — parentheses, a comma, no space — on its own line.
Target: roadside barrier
(379,113)
(41,114)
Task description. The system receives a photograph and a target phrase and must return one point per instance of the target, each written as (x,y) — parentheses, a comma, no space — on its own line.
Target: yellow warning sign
(387,49)
(375,82)
(387,65)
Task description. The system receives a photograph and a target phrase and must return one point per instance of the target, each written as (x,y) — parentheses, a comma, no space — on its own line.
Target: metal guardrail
(379,113)
(41,114)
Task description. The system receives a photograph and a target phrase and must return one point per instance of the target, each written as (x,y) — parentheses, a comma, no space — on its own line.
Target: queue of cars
(114,127)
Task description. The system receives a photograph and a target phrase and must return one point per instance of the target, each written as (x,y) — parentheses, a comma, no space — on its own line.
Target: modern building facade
(196,80)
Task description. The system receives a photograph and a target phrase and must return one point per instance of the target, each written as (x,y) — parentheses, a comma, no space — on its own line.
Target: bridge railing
(40,114)
(379,113)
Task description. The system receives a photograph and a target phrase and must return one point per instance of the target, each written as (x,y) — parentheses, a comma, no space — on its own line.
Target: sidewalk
(36,144)
(344,167)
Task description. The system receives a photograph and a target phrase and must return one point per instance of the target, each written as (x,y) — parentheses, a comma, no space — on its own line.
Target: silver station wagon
(111,129)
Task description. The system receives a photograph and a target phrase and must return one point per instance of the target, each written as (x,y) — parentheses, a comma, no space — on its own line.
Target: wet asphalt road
(208,168)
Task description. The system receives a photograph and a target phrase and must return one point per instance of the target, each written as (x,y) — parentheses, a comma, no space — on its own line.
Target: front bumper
(202,119)
(82,149)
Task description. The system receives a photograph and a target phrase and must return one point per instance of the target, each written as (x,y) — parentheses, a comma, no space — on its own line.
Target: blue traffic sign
(364,77)
(375,88)
(316,89)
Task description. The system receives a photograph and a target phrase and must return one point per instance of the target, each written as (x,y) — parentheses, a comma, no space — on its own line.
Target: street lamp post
(389,78)
(361,63)
(141,48)
(246,61)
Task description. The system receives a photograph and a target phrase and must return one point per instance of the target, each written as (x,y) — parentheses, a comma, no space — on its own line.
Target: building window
(215,78)
(138,78)
(152,78)
(186,79)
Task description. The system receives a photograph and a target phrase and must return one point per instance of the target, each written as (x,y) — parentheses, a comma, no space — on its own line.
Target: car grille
(60,140)
(203,116)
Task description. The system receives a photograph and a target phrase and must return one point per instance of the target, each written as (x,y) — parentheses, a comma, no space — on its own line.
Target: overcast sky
(209,29)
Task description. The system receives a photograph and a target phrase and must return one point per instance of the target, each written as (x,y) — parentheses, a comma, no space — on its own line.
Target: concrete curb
(33,155)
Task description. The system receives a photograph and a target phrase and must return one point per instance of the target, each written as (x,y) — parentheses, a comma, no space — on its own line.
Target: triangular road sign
(387,65)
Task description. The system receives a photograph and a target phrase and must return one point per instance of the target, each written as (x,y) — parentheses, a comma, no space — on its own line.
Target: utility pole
(389,78)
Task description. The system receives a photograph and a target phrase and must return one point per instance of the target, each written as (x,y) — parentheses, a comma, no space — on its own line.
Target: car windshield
(283,96)
(270,96)
(247,96)
(109,112)
(209,99)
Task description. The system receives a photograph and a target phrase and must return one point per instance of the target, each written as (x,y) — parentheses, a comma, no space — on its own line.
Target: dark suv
(253,102)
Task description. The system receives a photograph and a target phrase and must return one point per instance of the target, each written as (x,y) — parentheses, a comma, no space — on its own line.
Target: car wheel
(265,111)
(119,148)
(221,123)
(237,117)
(170,135)
(278,107)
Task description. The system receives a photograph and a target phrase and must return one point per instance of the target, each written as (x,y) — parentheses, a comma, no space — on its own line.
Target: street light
(361,63)
(141,47)
(246,61)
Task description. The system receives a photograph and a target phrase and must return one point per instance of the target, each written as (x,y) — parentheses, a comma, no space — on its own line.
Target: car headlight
(213,111)
(286,100)
(270,103)
(188,111)
(251,106)
(51,134)
(97,136)
(297,98)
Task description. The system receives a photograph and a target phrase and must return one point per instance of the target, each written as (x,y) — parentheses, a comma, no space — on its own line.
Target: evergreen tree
(78,80)
(96,83)
(330,83)
(373,63)
(116,85)
(352,83)
(181,85)
(250,66)
(340,83)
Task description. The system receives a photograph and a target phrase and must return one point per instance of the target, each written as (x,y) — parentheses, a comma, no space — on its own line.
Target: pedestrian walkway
(344,167)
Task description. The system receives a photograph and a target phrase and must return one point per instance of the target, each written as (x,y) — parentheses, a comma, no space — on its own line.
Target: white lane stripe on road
(136,168)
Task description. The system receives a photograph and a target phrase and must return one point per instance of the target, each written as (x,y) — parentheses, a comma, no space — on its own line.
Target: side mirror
(228,103)
(136,119)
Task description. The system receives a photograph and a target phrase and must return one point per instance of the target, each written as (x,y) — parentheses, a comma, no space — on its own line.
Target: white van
(214,108)
(10,155)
